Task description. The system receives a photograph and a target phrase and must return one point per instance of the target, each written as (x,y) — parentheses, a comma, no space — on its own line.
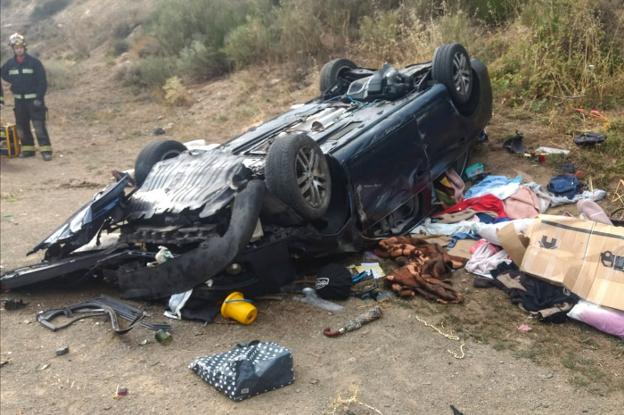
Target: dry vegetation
(546,57)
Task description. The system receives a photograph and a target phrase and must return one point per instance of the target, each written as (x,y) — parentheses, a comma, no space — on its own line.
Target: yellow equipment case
(10,144)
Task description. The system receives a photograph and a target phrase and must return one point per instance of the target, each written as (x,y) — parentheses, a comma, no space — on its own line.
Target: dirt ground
(397,365)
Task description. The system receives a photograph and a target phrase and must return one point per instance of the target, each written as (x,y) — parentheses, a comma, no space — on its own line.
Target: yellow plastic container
(237,308)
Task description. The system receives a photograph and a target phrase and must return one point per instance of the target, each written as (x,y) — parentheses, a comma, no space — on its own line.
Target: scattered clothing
(247,370)
(425,269)
(589,138)
(544,198)
(500,186)
(590,210)
(428,227)
(450,188)
(564,185)
(596,195)
(486,258)
(489,217)
(486,203)
(490,231)
(459,236)
(522,204)
(605,319)
(545,301)
(457,216)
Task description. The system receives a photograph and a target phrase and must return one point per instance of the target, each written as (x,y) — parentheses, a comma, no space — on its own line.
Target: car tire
(330,75)
(451,67)
(297,173)
(152,154)
(479,107)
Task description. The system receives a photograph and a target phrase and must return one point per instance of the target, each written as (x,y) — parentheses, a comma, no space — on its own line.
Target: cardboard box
(584,256)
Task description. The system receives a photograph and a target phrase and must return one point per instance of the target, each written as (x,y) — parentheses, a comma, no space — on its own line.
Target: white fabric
(488,231)
(483,261)
(596,195)
(543,196)
(503,192)
(448,229)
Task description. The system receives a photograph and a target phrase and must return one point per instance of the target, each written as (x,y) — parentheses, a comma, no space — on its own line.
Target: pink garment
(523,204)
(592,211)
(483,260)
(605,319)
(490,247)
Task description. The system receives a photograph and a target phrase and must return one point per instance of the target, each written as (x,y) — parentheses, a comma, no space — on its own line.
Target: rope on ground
(447,335)
(345,403)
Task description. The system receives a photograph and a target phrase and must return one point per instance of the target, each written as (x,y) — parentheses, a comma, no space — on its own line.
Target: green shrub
(249,43)
(151,72)
(177,24)
(200,62)
(562,51)
(299,30)
(48,8)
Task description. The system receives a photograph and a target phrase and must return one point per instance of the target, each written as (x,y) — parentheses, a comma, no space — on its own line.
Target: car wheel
(479,106)
(297,173)
(451,67)
(330,76)
(152,154)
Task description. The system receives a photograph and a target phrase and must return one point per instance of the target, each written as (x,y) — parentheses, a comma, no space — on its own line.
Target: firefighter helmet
(17,40)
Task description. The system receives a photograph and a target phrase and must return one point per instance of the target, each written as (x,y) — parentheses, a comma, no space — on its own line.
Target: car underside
(329,176)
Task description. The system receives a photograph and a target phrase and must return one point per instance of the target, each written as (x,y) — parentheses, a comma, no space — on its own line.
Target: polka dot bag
(247,370)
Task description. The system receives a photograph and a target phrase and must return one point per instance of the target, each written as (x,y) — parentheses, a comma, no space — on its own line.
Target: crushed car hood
(84,224)
(192,180)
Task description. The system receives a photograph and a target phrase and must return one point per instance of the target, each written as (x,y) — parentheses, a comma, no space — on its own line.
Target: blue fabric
(485,218)
(564,185)
(462,235)
(490,182)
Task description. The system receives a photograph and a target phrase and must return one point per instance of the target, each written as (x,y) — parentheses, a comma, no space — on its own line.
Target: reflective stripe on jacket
(27,79)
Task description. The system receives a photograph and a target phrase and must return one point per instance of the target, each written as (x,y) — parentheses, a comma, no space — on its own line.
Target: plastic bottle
(310,297)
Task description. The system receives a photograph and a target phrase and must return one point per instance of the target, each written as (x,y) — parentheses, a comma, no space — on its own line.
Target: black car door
(388,169)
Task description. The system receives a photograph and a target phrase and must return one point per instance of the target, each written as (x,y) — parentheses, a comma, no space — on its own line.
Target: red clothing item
(485,203)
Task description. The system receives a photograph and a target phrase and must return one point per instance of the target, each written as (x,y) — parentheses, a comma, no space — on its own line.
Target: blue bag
(564,185)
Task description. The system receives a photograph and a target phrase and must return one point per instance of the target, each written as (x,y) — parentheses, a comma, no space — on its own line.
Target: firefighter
(28,82)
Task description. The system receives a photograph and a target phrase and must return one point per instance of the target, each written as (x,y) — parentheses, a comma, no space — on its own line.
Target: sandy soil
(394,366)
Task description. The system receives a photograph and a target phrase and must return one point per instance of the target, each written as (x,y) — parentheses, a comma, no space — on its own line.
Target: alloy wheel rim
(462,75)
(311,178)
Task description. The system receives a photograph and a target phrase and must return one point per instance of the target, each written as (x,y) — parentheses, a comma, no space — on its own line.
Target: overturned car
(352,166)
